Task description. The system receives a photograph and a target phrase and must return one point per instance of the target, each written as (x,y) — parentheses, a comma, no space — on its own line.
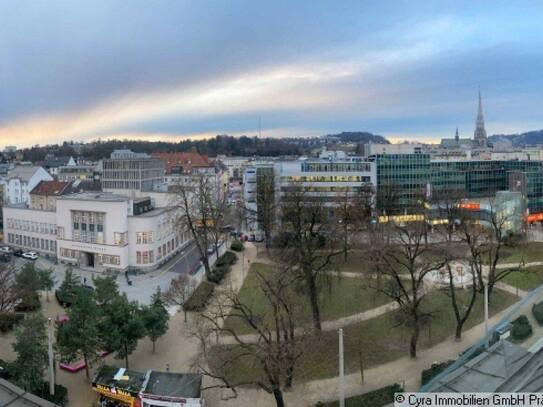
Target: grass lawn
(345,296)
(378,340)
(527,252)
(527,279)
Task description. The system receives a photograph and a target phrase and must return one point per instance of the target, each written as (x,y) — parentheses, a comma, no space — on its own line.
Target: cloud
(85,70)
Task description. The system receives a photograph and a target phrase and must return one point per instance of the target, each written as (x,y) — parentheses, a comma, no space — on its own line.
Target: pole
(341,371)
(486,308)
(51,358)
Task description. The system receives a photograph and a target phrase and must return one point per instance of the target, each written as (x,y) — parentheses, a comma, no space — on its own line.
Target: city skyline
(404,70)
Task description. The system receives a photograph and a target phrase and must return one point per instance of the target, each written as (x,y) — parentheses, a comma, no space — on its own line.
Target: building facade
(129,171)
(20,181)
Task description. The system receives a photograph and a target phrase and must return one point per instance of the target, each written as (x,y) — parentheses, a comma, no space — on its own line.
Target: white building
(327,180)
(109,231)
(402,148)
(99,231)
(20,181)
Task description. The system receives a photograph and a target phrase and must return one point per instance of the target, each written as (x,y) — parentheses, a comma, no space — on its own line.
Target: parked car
(5,258)
(18,253)
(5,249)
(30,255)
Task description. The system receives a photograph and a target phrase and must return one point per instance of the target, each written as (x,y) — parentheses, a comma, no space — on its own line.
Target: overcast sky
(169,69)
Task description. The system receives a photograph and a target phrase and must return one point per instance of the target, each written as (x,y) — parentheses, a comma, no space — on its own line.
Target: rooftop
(119,378)
(49,188)
(95,196)
(14,396)
(175,385)
(23,172)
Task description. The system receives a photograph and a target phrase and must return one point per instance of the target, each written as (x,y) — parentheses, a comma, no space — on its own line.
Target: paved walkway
(405,371)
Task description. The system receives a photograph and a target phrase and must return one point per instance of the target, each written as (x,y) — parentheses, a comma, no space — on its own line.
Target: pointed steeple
(456,136)
(479,136)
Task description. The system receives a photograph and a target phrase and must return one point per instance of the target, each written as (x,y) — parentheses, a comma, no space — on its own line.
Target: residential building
(52,163)
(185,162)
(21,180)
(75,172)
(129,171)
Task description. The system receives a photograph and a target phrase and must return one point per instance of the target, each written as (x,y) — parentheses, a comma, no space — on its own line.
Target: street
(143,285)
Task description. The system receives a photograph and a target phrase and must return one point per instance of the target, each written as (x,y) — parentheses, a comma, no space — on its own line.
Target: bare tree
(311,243)
(201,209)
(485,241)
(353,211)
(180,290)
(462,310)
(9,295)
(266,203)
(275,345)
(405,260)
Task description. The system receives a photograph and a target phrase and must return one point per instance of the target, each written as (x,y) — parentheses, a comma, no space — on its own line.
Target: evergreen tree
(70,285)
(106,289)
(156,317)
(28,283)
(32,359)
(121,326)
(47,280)
(79,336)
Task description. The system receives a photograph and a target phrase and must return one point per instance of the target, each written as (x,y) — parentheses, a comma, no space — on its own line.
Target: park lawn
(527,252)
(527,279)
(344,296)
(379,340)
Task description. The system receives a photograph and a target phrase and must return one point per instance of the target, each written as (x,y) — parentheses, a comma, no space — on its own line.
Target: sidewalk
(405,371)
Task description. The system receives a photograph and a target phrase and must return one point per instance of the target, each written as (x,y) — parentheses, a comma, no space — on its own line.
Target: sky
(167,70)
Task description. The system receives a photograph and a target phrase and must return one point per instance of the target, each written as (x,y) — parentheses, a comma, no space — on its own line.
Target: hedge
(377,398)
(537,311)
(227,258)
(217,274)
(9,320)
(199,298)
(237,246)
(434,370)
(522,328)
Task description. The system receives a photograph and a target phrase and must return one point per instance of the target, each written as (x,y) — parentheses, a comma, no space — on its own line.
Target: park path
(331,325)
(405,371)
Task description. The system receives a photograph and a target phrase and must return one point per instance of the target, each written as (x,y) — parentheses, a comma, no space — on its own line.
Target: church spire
(479,136)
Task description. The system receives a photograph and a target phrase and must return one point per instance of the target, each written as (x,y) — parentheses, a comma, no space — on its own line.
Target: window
(76,226)
(84,227)
(100,227)
(91,227)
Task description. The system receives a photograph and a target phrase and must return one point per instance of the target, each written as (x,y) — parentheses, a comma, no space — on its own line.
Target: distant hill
(361,137)
(520,140)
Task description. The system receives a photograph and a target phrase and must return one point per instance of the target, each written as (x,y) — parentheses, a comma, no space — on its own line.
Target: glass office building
(405,181)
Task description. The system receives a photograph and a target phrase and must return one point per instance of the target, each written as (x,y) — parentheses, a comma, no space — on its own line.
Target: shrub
(434,370)
(217,274)
(199,298)
(537,311)
(60,398)
(9,320)
(227,258)
(237,246)
(521,328)
(29,303)
(377,398)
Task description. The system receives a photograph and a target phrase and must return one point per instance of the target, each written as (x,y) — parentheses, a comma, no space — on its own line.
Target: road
(143,285)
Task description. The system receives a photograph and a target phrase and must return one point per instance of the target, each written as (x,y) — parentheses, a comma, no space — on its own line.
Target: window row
(37,227)
(32,242)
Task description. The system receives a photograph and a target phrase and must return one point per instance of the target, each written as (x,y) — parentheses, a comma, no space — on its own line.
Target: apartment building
(20,181)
